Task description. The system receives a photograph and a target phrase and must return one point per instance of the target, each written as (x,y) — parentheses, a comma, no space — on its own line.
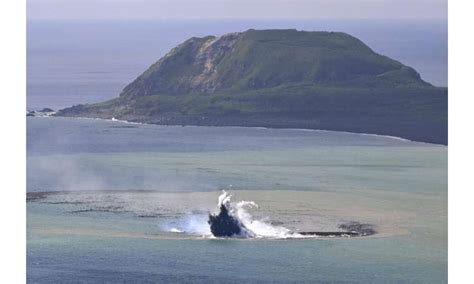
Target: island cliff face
(281,78)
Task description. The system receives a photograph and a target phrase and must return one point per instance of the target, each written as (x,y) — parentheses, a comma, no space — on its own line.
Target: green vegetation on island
(285,79)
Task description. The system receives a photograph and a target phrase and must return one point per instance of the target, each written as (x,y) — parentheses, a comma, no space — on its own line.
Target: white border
(461,141)
(13,141)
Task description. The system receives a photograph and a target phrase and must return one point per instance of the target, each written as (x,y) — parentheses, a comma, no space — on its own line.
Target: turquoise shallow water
(82,154)
(141,261)
(123,186)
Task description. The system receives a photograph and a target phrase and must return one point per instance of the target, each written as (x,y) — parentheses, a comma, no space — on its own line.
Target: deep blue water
(57,135)
(71,62)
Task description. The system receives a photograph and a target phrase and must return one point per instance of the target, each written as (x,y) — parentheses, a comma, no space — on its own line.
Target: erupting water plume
(233,220)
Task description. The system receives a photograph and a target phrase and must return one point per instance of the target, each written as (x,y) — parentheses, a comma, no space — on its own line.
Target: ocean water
(129,203)
(117,202)
(72,62)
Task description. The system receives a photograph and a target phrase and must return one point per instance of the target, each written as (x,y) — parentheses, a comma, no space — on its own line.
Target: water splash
(233,220)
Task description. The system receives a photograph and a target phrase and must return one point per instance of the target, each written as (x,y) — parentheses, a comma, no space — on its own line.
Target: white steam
(191,224)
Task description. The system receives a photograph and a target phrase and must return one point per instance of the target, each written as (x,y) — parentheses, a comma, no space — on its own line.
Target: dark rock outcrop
(223,224)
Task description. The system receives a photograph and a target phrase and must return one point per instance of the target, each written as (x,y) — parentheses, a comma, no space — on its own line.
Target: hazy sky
(229,9)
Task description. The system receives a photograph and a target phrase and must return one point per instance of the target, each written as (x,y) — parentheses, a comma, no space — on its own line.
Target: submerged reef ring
(232,219)
(350,229)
